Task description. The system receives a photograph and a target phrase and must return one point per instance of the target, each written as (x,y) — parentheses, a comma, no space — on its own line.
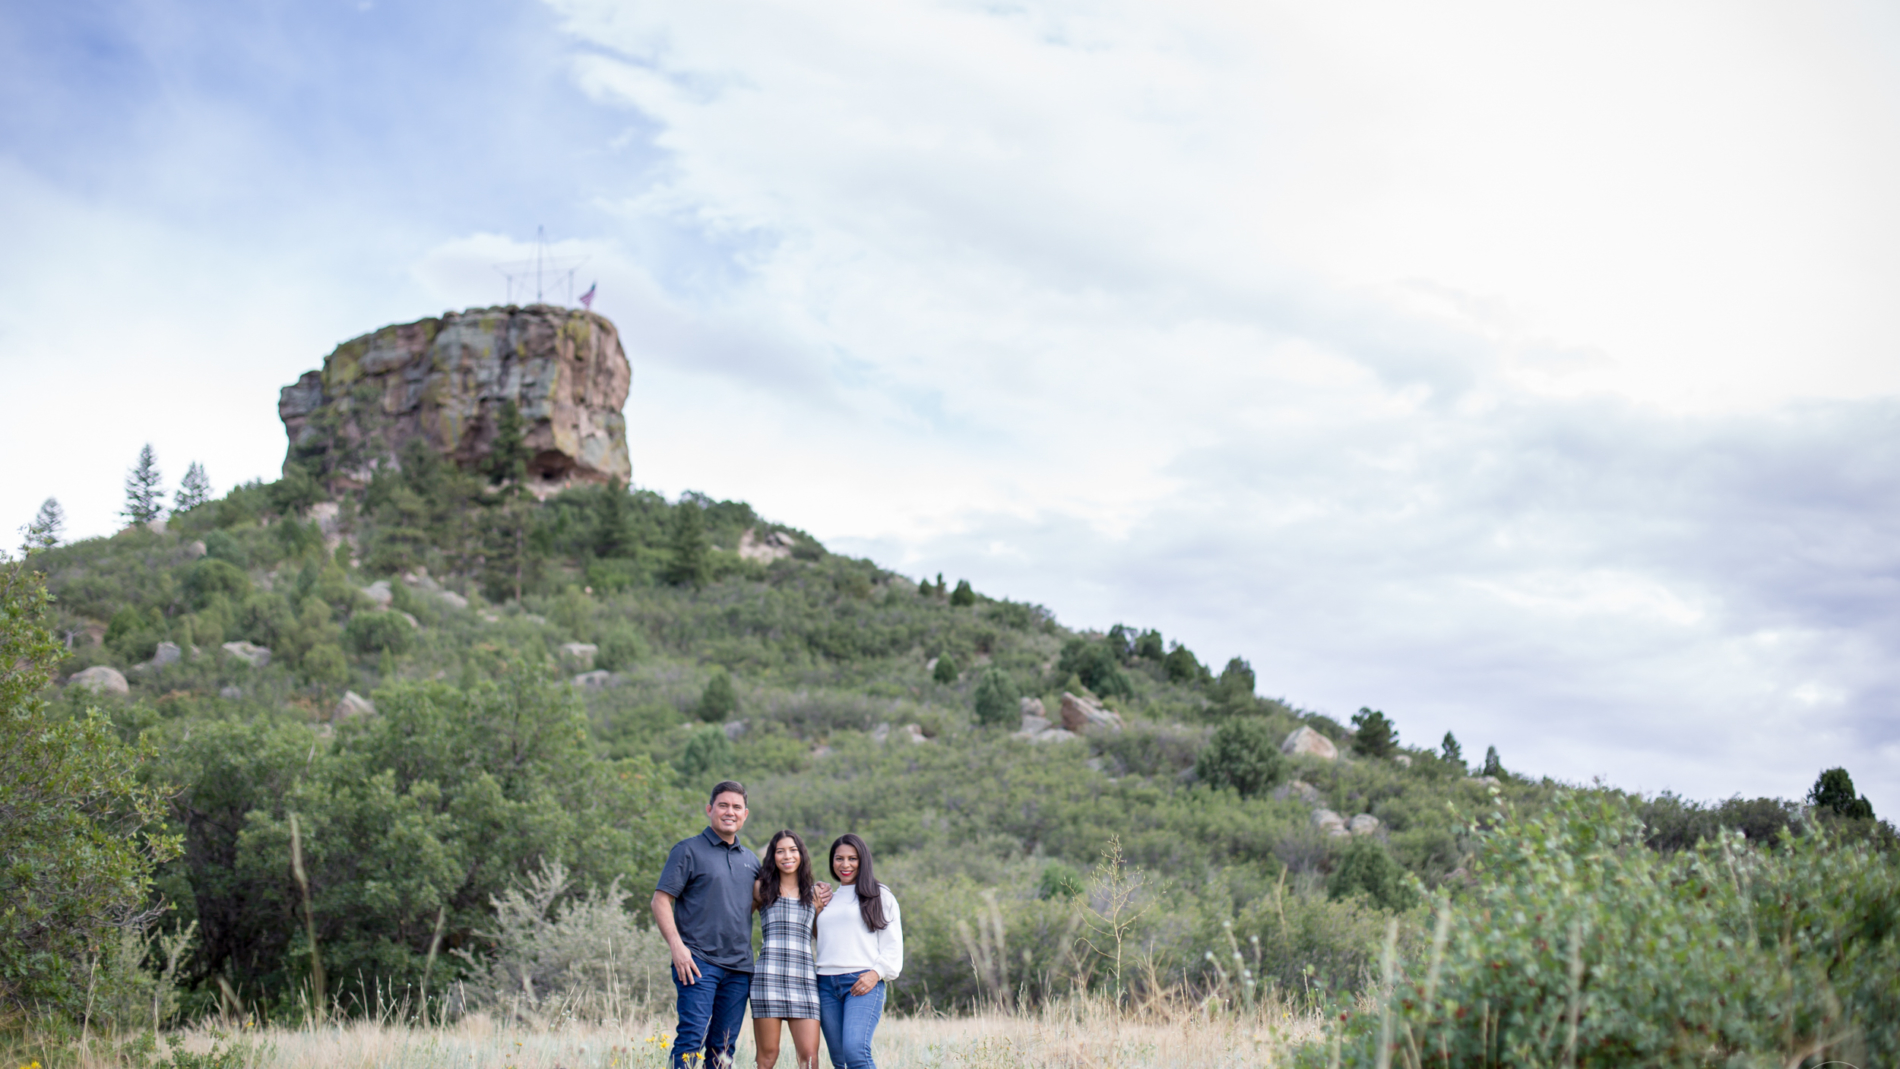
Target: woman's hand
(821,891)
(866,981)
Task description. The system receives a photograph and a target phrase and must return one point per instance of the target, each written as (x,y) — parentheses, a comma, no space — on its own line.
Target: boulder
(880,733)
(1364,824)
(1054,735)
(1033,725)
(101,679)
(352,704)
(1490,781)
(167,653)
(1079,714)
(1402,760)
(255,656)
(1329,822)
(915,733)
(598,679)
(445,380)
(195,550)
(1304,740)
(454,600)
(734,729)
(324,515)
(775,546)
(231,691)
(1300,789)
(578,655)
(1033,707)
(421,581)
(413,622)
(379,593)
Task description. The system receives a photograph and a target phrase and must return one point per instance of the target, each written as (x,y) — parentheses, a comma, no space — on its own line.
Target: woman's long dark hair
(870,898)
(765,888)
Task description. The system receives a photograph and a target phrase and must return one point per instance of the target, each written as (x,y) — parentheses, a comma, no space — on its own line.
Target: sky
(1523,371)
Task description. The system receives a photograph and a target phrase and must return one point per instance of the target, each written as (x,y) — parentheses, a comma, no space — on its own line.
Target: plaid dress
(785,981)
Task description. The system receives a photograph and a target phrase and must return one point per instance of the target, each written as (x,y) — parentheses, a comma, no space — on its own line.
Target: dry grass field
(1075,1037)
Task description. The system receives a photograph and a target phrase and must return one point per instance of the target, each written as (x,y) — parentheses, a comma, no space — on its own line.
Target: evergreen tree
(44,531)
(195,490)
(1451,751)
(508,456)
(144,489)
(689,565)
(1367,868)
(1374,735)
(719,702)
(1834,791)
(1148,646)
(995,699)
(1243,755)
(963,595)
(1492,766)
(940,588)
(1182,666)
(611,536)
(924,589)
(945,672)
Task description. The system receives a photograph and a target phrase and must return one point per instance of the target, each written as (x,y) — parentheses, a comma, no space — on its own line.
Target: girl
(860,949)
(784,985)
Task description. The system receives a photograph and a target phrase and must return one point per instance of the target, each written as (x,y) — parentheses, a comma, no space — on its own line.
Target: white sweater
(845,945)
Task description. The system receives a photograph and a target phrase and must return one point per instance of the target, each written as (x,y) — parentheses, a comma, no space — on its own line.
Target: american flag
(587,299)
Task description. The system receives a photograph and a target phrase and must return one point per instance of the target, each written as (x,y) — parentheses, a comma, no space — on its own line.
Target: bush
(719,702)
(213,578)
(963,595)
(1096,665)
(708,754)
(1242,755)
(1723,955)
(996,704)
(945,671)
(554,953)
(620,650)
(370,633)
(1834,791)
(1059,881)
(1367,868)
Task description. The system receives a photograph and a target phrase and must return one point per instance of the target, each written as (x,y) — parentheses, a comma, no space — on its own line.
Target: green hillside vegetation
(312,861)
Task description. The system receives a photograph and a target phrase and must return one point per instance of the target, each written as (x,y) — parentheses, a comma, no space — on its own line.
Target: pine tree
(144,489)
(1492,766)
(1451,751)
(611,537)
(1834,791)
(719,701)
(508,457)
(963,595)
(1373,733)
(44,531)
(995,699)
(195,490)
(688,566)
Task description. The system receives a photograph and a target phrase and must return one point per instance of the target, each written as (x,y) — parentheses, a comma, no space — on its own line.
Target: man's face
(727,814)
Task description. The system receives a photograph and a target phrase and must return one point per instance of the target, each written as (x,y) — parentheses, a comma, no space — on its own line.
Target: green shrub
(1181,666)
(719,702)
(370,633)
(1367,868)
(707,756)
(963,595)
(620,649)
(1060,881)
(996,704)
(1578,945)
(220,545)
(325,664)
(945,671)
(1243,755)
(213,578)
(1096,665)
(1834,791)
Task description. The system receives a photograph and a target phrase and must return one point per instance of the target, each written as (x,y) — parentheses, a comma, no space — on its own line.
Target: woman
(784,983)
(860,949)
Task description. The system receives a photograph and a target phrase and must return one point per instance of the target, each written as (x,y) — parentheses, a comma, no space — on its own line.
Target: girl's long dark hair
(765,888)
(870,897)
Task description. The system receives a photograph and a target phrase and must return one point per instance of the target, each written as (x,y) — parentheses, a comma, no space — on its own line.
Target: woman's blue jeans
(848,1020)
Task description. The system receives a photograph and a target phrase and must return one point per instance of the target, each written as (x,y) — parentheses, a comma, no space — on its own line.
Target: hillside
(721,644)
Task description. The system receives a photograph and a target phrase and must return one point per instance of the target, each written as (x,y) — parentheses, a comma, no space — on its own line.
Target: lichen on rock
(448,380)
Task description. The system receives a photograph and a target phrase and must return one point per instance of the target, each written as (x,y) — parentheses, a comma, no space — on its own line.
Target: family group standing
(826,952)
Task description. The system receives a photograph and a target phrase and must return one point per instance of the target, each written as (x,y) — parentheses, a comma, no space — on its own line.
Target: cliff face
(446,380)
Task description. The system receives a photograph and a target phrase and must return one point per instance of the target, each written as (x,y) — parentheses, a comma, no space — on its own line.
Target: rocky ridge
(447,381)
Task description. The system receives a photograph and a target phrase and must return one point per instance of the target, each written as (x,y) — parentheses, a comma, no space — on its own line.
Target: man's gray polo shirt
(711,885)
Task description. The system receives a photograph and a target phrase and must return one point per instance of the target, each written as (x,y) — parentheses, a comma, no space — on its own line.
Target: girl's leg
(861,1014)
(805,1043)
(765,1036)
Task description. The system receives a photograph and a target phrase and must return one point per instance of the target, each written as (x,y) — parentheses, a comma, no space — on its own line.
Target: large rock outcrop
(447,381)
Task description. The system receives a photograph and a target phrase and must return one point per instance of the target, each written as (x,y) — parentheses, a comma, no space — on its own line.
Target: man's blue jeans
(711,1011)
(848,1020)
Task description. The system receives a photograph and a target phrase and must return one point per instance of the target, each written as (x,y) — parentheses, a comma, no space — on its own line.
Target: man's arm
(683,964)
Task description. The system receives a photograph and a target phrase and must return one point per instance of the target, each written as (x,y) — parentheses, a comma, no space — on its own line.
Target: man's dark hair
(725,786)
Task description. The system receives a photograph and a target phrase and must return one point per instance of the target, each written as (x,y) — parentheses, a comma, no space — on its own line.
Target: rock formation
(448,380)
(1304,740)
(1079,714)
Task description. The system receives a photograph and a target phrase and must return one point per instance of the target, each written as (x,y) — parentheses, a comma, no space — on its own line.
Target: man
(703,906)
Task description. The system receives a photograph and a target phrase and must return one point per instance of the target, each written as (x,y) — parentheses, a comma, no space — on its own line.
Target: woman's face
(787,857)
(844,862)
